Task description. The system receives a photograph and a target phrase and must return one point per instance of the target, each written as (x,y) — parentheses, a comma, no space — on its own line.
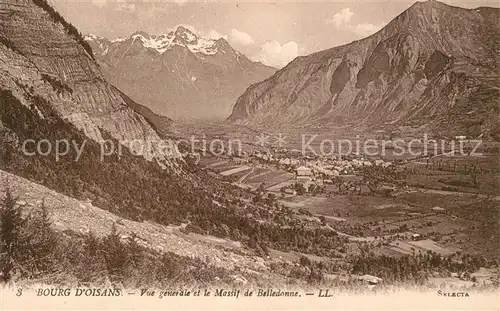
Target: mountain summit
(434,68)
(178,74)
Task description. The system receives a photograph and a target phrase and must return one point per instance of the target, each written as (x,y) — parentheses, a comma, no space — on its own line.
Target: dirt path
(246,175)
(445,192)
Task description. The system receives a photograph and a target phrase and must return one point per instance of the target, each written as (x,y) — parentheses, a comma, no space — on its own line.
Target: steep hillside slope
(161,124)
(67,213)
(43,56)
(434,66)
(52,91)
(178,74)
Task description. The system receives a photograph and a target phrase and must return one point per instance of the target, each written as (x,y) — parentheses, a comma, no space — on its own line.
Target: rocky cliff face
(40,55)
(433,67)
(178,74)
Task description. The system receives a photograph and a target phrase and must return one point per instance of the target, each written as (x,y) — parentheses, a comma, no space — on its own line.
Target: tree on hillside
(11,222)
(135,251)
(337,180)
(90,263)
(40,242)
(115,255)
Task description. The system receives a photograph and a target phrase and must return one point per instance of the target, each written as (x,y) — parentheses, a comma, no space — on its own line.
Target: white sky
(272,32)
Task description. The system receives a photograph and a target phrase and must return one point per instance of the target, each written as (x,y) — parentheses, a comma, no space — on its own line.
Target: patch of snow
(90,37)
(121,39)
(189,37)
(204,46)
(164,42)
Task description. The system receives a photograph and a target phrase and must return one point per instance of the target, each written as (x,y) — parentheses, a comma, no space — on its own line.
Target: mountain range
(178,74)
(433,68)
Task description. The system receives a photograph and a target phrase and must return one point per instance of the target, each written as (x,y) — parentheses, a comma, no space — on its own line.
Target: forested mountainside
(432,68)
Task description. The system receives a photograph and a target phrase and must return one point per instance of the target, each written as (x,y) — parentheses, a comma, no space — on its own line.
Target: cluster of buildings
(310,170)
(331,168)
(327,166)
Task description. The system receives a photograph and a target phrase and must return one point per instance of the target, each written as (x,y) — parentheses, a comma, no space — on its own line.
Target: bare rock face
(434,66)
(178,74)
(42,56)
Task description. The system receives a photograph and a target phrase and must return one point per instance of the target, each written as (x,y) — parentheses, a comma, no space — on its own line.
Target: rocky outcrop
(178,74)
(433,67)
(41,56)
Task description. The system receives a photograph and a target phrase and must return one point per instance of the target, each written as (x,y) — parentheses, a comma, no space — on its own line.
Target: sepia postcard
(249,155)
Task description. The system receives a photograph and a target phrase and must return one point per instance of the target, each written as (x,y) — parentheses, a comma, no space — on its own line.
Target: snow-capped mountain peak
(182,36)
(179,73)
(186,35)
